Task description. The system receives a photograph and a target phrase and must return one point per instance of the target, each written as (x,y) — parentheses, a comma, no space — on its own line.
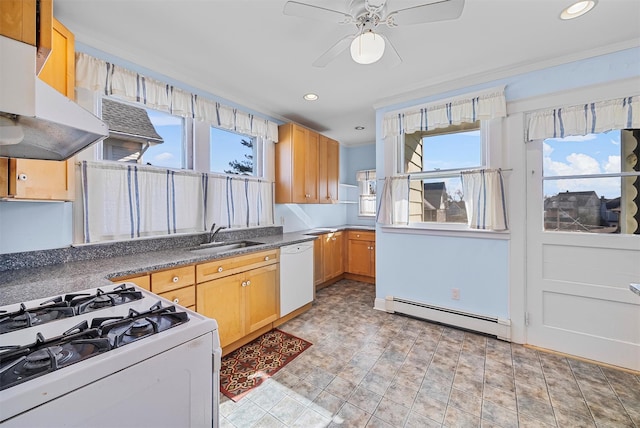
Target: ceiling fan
(368,45)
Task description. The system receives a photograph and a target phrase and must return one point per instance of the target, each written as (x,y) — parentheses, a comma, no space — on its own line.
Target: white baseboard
(498,327)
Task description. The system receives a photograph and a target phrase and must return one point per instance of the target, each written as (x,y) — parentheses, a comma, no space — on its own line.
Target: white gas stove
(109,356)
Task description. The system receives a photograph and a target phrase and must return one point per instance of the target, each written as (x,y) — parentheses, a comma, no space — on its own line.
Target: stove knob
(175,279)
(220,269)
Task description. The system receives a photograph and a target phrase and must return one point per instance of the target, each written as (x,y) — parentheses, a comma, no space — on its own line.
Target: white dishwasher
(296,276)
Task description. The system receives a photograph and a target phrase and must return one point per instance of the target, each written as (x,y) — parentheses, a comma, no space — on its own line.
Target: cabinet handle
(175,279)
(220,269)
(176,300)
(333,239)
(248,282)
(266,258)
(22,177)
(358,235)
(244,283)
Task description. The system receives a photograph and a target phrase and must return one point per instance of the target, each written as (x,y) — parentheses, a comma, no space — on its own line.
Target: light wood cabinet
(307,166)
(361,249)
(296,165)
(240,302)
(142,281)
(18,21)
(328,262)
(38,179)
(328,170)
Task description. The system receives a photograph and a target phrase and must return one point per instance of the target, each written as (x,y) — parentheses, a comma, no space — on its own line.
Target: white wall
(496,268)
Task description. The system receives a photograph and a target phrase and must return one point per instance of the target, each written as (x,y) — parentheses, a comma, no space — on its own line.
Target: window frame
(258,170)
(360,194)
(187,148)
(491,145)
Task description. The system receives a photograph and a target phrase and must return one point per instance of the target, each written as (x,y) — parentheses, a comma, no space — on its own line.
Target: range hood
(36,121)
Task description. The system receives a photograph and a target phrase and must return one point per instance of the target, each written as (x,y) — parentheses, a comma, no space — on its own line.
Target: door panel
(578,297)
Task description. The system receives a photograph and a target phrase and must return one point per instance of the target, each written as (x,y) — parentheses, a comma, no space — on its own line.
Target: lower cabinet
(361,247)
(241,303)
(328,258)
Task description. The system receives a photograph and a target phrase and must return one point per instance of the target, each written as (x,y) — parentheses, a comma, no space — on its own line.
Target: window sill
(452,230)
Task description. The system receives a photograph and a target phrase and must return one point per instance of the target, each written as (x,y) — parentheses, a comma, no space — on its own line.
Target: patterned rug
(249,366)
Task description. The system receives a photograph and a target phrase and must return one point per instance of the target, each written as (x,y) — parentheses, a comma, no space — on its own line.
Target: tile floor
(372,369)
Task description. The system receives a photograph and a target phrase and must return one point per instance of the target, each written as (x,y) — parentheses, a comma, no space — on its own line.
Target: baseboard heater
(494,326)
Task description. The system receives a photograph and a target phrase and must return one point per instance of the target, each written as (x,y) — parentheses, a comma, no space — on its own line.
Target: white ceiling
(249,53)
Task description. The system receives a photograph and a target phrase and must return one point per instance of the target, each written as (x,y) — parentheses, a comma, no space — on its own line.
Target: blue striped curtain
(484,198)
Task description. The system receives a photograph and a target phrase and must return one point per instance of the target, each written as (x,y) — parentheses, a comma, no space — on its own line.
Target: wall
(490,274)
(29,226)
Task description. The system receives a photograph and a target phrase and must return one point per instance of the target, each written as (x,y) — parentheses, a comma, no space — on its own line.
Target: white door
(578,296)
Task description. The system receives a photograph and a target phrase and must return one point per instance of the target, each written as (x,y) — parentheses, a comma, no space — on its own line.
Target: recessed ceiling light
(310,96)
(578,9)
(359,128)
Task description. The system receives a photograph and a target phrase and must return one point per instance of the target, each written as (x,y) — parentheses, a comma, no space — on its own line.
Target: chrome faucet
(213,233)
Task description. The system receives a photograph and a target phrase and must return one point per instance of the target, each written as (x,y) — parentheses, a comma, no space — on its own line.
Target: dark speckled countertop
(62,274)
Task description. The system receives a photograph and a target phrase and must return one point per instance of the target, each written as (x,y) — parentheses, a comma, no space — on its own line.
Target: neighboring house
(572,211)
(130,132)
(435,200)
(456,212)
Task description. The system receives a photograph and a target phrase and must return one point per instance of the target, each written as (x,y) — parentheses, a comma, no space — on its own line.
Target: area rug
(249,366)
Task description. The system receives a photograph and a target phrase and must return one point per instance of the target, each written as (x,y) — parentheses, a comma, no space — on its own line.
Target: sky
(583,155)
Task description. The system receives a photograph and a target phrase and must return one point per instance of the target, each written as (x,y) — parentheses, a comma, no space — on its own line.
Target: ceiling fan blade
(393,57)
(303,10)
(439,11)
(334,51)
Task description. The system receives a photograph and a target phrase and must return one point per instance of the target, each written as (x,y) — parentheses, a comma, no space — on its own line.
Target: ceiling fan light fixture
(367,48)
(577,9)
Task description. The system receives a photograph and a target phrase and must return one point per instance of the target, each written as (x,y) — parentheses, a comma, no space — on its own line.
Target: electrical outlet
(455,293)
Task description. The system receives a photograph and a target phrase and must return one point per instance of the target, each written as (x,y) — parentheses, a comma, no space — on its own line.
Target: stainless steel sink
(221,247)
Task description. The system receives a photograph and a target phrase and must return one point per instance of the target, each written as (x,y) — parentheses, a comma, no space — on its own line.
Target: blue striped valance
(97,75)
(584,119)
(488,104)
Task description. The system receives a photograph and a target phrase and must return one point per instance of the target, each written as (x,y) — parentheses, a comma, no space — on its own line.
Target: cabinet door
(333,255)
(328,170)
(18,20)
(59,70)
(311,167)
(318,262)
(299,146)
(359,257)
(223,300)
(261,294)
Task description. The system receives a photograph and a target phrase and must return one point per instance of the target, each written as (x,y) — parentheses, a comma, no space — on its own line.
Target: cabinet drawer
(362,235)
(172,279)
(141,281)
(223,267)
(182,296)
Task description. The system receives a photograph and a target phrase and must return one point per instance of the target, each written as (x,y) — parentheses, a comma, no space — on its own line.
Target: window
(592,183)
(142,135)
(232,153)
(367,192)
(434,160)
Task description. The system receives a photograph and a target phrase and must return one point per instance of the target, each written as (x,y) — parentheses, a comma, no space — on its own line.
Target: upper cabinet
(37,179)
(307,166)
(328,170)
(29,21)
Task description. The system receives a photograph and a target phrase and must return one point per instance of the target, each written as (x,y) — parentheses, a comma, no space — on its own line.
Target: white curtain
(237,202)
(109,79)
(469,108)
(484,198)
(126,201)
(394,201)
(583,119)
